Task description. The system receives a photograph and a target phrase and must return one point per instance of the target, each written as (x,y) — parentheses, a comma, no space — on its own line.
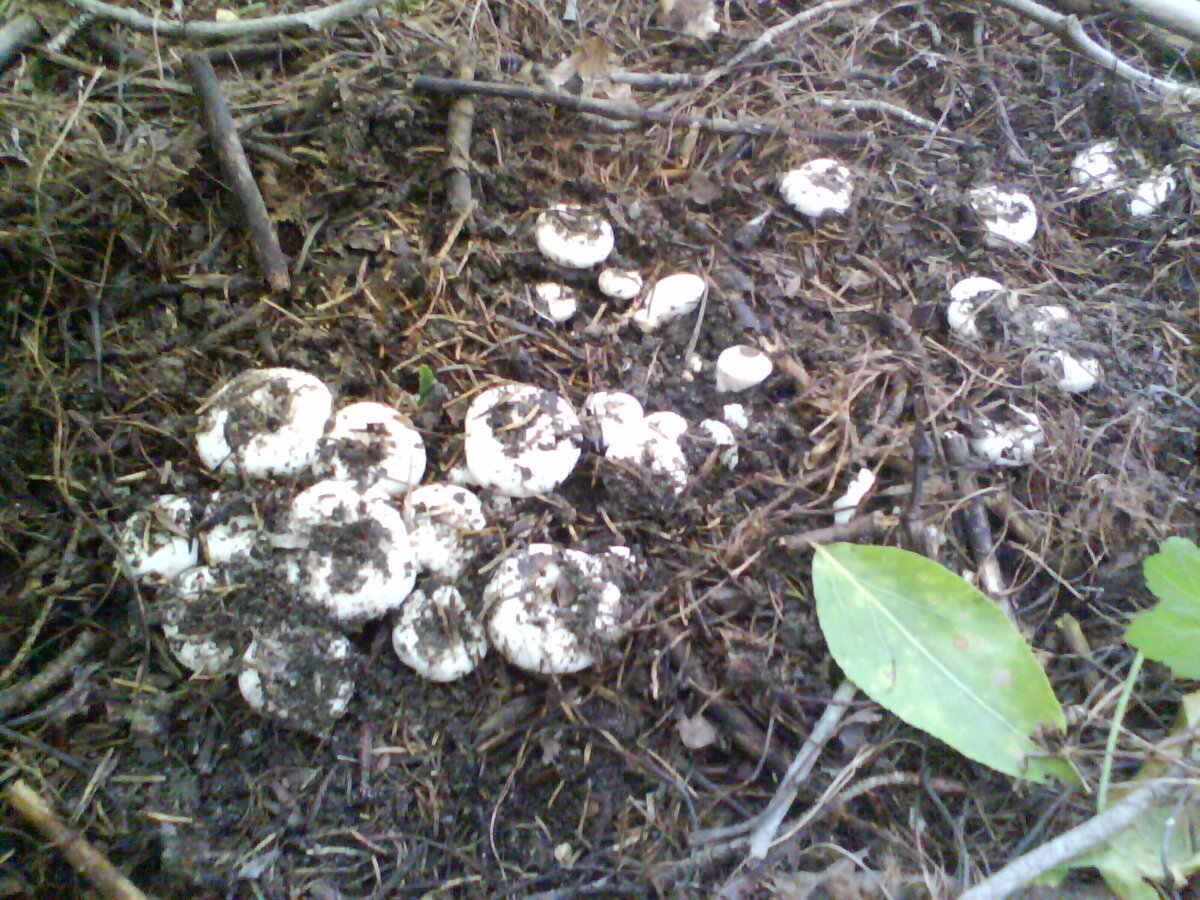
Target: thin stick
(87,860)
(1097,830)
(608,110)
(313,20)
(22,30)
(458,146)
(223,132)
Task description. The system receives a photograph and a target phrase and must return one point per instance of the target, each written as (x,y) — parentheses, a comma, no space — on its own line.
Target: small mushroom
(619,284)
(373,447)
(264,423)
(442,521)
(554,302)
(968,298)
(1010,215)
(670,425)
(568,235)
(355,559)
(845,506)
(551,608)
(658,459)
(300,675)
(184,604)
(437,636)
(1096,167)
(1147,196)
(1008,444)
(818,188)
(156,541)
(1073,374)
(670,297)
(521,441)
(740,368)
(721,436)
(735,416)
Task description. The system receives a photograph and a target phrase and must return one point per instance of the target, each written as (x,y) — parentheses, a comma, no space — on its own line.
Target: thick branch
(16,34)
(1179,16)
(313,20)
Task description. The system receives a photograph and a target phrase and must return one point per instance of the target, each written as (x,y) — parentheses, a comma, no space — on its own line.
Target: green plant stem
(1110,748)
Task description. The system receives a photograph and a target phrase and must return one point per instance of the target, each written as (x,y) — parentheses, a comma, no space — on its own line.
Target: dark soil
(130,291)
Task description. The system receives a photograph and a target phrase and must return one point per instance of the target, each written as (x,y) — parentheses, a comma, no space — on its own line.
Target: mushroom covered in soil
(1008,444)
(373,447)
(615,416)
(437,636)
(354,558)
(554,302)
(230,530)
(1147,196)
(521,441)
(1010,215)
(1074,374)
(670,297)
(569,235)
(443,521)
(156,541)
(818,188)
(301,675)
(264,423)
(187,605)
(741,367)
(1096,167)
(721,436)
(549,609)
(968,298)
(619,284)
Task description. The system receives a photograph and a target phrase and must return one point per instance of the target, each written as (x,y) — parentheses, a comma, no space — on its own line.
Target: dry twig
(221,128)
(87,860)
(312,20)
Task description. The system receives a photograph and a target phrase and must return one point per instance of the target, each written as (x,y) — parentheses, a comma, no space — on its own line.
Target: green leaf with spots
(1169,632)
(928,646)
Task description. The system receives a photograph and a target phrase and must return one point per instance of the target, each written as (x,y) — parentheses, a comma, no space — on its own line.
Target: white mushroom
(1048,319)
(442,521)
(658,458)
(1010,215)
(1152,193)
(1073,374)
(549,608)
(740,368)
(437,636)
(617,416)
(721,436)
(670,425)
(735,416)
(1096,167)
(619,284)
(819,187)
(373,447)
(521,440)
(230,531)
(264,423)
(156,541)
(670,297)
(356,560)
(300,675)
(1008,444)
(183,603)
(570,236)
(846,505)
(554,302)
(967,299)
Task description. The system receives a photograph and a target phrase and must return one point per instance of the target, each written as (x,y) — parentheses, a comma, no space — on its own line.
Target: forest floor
(131,290)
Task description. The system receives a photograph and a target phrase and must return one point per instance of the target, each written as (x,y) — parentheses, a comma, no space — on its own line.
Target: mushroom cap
(549,607)
(670,297)
(721,435)
(437,636)
(355,559)
(1075,375)
(554,302)
(206,655)
(669,424)
(1048,319)
(1010,215)
(963,308)
(616,414)
(658,458)
(441,521)
(300,675)
(1152,193)
(817,188)
(1008,444)
(735,416)
(521,441)
(374,447)
(845,505)
(156,541)
(742,367)
(1096,167)
(568,235)
(264,423)
(620,284)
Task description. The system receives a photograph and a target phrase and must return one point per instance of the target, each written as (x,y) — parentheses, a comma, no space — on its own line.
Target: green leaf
(928,646)
(1159,847)
(425,382)
(1169,632)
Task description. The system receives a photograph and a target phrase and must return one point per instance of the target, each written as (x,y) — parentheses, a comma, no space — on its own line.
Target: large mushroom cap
(521,441)
(264,423)
(156,541)
(374,447)
(437,636)
(570,236)
(819,187)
